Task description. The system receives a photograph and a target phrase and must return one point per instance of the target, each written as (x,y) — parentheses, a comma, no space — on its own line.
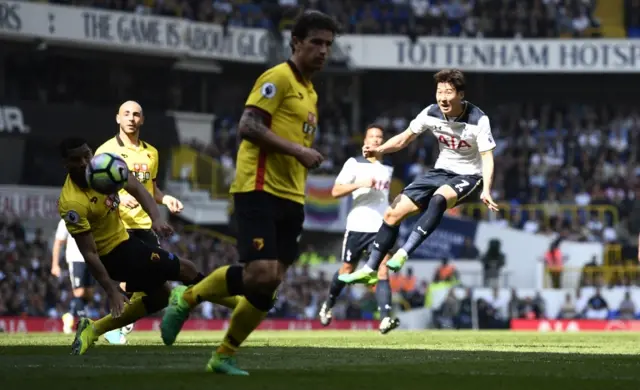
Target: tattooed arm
(253,127)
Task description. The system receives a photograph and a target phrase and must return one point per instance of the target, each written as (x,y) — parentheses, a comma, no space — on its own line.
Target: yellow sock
(214,286)
(132,312)
(229,302)
(244,320)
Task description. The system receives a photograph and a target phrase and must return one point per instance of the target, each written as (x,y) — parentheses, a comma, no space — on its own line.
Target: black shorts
(420,191)
(143,267)
(80,275)
(147,236)
(267,227)
(355,246)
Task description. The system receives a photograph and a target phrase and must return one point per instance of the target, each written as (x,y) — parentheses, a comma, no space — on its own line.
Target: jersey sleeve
(422,122)
(61,232)
(348,173)
(268,91)
(75,216)
(485,138)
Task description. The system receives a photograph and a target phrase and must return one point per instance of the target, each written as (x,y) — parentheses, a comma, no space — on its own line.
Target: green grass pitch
(329,360)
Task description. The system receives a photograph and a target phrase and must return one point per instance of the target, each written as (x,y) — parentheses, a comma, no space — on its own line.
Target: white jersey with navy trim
(72,252)
(461,140)
(369,204)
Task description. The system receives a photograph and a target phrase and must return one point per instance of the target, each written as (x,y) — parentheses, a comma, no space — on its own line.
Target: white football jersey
(461,140)
(72,252)
(369,204)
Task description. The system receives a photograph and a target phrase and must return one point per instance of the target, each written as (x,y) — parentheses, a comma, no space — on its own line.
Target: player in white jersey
(82,282)
(463,170)
(367,180)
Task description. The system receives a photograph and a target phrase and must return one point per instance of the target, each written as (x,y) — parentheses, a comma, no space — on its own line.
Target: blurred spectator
(469,250)
(446,272)
(568,309)
(597,307)
(627,309)
(493,261)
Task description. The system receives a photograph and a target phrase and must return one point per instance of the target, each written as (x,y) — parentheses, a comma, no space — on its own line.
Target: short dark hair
(69,144)
(374,126)
(454,77)
(313,20)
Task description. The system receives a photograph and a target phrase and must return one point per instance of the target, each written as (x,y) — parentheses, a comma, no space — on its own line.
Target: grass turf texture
(332,360)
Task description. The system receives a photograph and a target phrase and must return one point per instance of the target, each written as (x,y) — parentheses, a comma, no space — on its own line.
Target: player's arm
(75,217)
(397,142)
(346,181)
(87,245)
(418,125)
(486,145)
(264,100)
(137,190)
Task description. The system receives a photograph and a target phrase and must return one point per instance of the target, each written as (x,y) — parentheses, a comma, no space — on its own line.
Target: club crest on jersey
(141,172)
(309,127)
(112,201)
(311,118)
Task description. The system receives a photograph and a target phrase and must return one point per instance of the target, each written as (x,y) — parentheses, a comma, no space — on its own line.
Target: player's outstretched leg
(383,296)
(385,239)
(426,224)
(335,289)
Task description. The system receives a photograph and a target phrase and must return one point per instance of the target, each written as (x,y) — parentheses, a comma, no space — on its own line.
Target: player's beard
(79,178)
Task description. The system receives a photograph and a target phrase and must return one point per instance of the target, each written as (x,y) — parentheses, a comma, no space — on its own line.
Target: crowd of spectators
(496,311)
(470,18)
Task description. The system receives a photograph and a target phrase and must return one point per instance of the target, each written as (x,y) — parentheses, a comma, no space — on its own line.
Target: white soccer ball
(107,173)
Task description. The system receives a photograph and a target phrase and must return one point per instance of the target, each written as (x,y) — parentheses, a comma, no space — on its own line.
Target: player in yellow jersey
(143,160)
(110,253)
(277,127)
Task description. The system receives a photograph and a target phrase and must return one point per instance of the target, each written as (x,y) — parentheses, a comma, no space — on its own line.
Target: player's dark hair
(454,77)
(312,20)
(374,126)
(69,144)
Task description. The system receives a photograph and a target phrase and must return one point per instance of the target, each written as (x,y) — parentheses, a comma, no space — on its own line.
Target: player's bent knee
(79,292)
(401,208)
(261,301)
(449,194)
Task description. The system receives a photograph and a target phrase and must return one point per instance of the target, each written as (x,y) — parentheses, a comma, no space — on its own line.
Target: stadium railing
(202,171)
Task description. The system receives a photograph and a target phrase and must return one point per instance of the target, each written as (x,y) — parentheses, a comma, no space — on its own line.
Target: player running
(367,180)
(143,162)
(464,168)
(82,282)
(111,253)
(277,127)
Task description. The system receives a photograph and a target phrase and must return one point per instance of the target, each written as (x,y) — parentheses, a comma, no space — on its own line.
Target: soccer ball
(107,173)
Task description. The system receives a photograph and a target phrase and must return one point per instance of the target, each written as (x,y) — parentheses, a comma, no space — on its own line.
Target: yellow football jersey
(86,210)
(290,102)
(143,163)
